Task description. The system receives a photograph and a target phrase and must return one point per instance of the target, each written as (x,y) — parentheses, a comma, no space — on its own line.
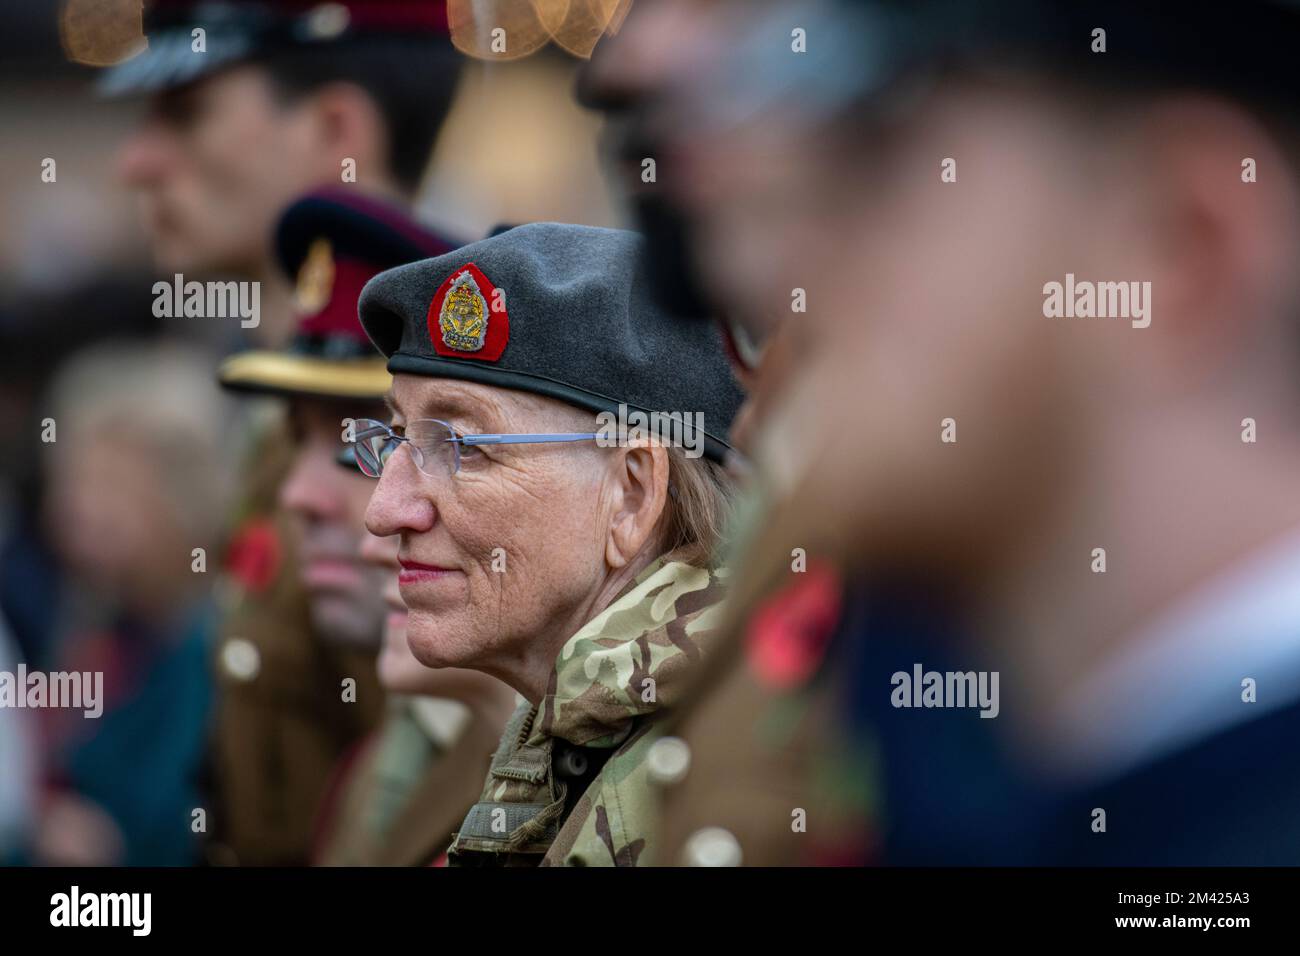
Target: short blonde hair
(700,491)
(699,507)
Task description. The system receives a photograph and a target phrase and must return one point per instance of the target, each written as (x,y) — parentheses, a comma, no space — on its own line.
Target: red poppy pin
(253,555)
(790,631)
(467,317)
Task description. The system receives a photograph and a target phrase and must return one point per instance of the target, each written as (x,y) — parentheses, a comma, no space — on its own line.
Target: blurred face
(923,299)
(111,519)
(648,79)
(213,163)
(929,306)
(328,503)
(645,70)
(658,43)
(510,549)
(759,201)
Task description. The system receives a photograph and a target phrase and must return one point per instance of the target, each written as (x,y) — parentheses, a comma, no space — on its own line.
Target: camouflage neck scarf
(633,659)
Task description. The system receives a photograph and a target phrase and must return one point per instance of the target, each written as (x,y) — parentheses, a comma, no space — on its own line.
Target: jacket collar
(633,658)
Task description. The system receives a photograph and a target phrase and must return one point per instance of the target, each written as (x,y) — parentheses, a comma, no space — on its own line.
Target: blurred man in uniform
(285,96)
(249,106)
(1030,410)
(332,240)
(398,798)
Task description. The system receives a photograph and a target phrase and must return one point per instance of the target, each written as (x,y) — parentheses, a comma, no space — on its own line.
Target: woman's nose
(400,502)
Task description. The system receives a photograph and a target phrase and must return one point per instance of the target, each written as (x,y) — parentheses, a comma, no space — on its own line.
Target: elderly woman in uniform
(540,541)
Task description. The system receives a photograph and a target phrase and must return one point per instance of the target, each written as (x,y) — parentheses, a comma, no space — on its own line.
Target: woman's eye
(471,454)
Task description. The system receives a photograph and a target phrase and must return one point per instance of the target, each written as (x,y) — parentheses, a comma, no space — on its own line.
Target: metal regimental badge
(467,317)
(315,278)
(463,319)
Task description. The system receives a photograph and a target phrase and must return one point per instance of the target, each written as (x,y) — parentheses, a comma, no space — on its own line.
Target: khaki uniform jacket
(282,722)
(410,788)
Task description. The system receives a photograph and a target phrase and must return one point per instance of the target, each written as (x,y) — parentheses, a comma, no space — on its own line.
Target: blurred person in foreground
(572,562)
(760,769)
(287,96)
(393,798)
(136,484)
(1055,396)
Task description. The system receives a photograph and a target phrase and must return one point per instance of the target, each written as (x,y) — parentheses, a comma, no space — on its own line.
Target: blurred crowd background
(88,571)
(941,474)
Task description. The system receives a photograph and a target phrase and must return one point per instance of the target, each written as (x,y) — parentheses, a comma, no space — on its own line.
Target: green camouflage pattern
(614,681)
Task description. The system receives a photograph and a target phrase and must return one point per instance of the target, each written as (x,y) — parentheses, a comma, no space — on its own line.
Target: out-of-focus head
(279,97)
(732,193)
(332,242)
(966,163)
(327,505)
(138,472)
(642,78)
(545,329)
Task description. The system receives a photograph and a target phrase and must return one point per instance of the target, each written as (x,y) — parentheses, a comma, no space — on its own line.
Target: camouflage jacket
(569,783)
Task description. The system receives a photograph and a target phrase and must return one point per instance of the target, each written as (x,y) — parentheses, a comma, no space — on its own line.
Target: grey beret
(559,310)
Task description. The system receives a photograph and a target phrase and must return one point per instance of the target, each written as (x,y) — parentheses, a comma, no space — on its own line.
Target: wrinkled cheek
(529,576)
(484,539)
(531,549)
(490,552)
(515,582)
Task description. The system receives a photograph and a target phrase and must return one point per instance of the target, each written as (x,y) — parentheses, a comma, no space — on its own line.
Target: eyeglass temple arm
(523,439)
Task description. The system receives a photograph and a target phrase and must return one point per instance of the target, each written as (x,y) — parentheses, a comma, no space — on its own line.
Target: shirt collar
(1181,678)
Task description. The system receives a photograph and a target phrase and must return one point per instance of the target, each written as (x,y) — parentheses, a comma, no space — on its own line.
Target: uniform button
(571,762)
(240,659)
(712,846)
(668,761)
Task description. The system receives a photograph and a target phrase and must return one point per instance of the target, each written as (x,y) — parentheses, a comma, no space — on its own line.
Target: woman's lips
(413,572)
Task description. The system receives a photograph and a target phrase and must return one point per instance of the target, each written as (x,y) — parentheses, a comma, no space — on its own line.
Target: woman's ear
(639,496)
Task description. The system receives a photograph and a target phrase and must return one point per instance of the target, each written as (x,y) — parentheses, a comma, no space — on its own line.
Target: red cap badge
(467,317)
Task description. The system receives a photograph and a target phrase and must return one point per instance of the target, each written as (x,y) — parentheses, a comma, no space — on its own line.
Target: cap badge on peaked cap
(467,317)
(315,278)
